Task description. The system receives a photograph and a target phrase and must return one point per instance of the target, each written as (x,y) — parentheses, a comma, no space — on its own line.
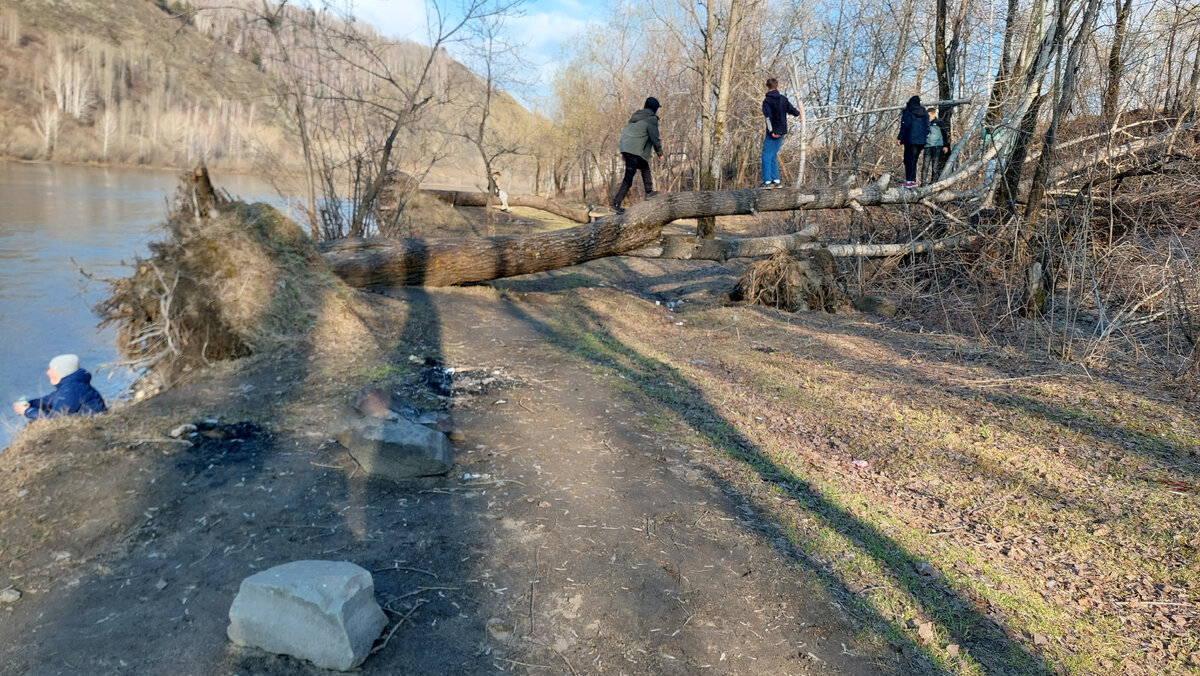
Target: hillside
(124,81)
(151,82)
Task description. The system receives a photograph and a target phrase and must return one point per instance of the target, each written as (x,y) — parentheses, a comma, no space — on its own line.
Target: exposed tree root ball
(783,282)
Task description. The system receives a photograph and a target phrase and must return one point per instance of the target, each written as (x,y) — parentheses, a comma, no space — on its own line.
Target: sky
(541,29)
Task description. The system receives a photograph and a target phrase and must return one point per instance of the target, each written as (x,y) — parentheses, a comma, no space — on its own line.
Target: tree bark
(445,262)
(480,199)
(1116,65)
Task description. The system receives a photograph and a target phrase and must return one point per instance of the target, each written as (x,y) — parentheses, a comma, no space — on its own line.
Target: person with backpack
(639,139)
(775,108)
(937,146)
(73,392)
(914,130)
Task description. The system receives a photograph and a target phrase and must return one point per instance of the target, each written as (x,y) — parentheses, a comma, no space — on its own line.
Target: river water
(99,217)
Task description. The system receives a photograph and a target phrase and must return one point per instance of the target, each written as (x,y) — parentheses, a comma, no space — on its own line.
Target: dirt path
(589,544)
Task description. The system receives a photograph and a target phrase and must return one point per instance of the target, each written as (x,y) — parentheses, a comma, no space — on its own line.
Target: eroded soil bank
(654,489)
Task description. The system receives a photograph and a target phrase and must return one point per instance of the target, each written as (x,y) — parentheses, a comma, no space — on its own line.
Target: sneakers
(776,184)
(908,184)
(766,185)
(618,210)
(652,193)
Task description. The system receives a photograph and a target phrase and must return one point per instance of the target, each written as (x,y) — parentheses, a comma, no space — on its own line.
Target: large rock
(397,449)
(321,611)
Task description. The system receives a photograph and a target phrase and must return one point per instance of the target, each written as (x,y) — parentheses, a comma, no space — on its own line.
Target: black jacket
(73,394)
(914,123)
(776,108)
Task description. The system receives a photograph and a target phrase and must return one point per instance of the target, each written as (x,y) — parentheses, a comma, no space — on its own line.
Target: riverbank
(653,489)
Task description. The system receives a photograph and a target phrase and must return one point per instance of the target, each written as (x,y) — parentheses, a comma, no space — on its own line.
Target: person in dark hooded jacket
(914,129)
(775,109)
(73,392)
(639,139)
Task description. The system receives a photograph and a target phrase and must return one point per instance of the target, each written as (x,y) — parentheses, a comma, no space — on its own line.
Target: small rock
(499,629)
(9,595)
(321,611)
(458,436)
(22,492)
(925,570)
(925,631)
(161,584)
(1039,639)
(952,649)
(186,428)
(397,450)
(876,306)
(62,556)
(374,402)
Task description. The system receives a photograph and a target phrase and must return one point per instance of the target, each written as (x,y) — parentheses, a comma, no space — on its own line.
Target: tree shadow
(148,586)
(581,333)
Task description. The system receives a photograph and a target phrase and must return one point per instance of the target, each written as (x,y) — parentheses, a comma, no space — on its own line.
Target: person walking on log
(775,108)
(73,392)
(496,176)
(914,129)
(638,141)
(937,146)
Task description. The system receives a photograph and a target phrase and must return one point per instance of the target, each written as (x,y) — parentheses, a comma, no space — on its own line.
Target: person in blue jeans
(775,108)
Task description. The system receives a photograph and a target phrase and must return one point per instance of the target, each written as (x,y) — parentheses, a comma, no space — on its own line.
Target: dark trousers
(912,154)
(935,159)
(633,164)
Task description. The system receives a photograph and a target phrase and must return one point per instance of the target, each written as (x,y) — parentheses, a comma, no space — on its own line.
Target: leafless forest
(1070,194)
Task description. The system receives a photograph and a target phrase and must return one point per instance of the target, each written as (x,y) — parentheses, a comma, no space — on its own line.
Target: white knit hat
(64,365)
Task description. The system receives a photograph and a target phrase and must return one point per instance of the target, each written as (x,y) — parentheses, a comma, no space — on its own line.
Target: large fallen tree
(444,262)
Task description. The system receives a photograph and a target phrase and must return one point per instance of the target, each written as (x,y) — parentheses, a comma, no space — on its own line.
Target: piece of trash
(161,584)
(483,477)
(657,302)
(861,464)
(678,323)
(186,428)
(1176,486)
(22,492)
(499,401)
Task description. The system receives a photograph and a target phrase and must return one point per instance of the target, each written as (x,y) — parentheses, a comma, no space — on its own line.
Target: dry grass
(1020,512)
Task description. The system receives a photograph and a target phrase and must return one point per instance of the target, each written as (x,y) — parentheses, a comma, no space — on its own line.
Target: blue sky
(541,29)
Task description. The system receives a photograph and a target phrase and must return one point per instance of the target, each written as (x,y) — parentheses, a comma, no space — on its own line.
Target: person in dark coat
(937,146)
(73,392)
(775,108)
(639,139)
(914,129)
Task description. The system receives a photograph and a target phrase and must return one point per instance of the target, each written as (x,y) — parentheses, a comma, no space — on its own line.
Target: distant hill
(166,83)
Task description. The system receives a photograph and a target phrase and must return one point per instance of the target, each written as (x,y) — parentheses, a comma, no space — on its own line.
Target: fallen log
(461,198)
(690,247)
(444,262)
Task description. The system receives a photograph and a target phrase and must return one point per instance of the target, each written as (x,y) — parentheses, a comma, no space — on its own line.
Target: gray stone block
(397,450)
(321,611)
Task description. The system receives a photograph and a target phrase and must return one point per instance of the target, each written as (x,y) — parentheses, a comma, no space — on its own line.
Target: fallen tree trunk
(692,248)
(689,247)
(461,198)
(444,262)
